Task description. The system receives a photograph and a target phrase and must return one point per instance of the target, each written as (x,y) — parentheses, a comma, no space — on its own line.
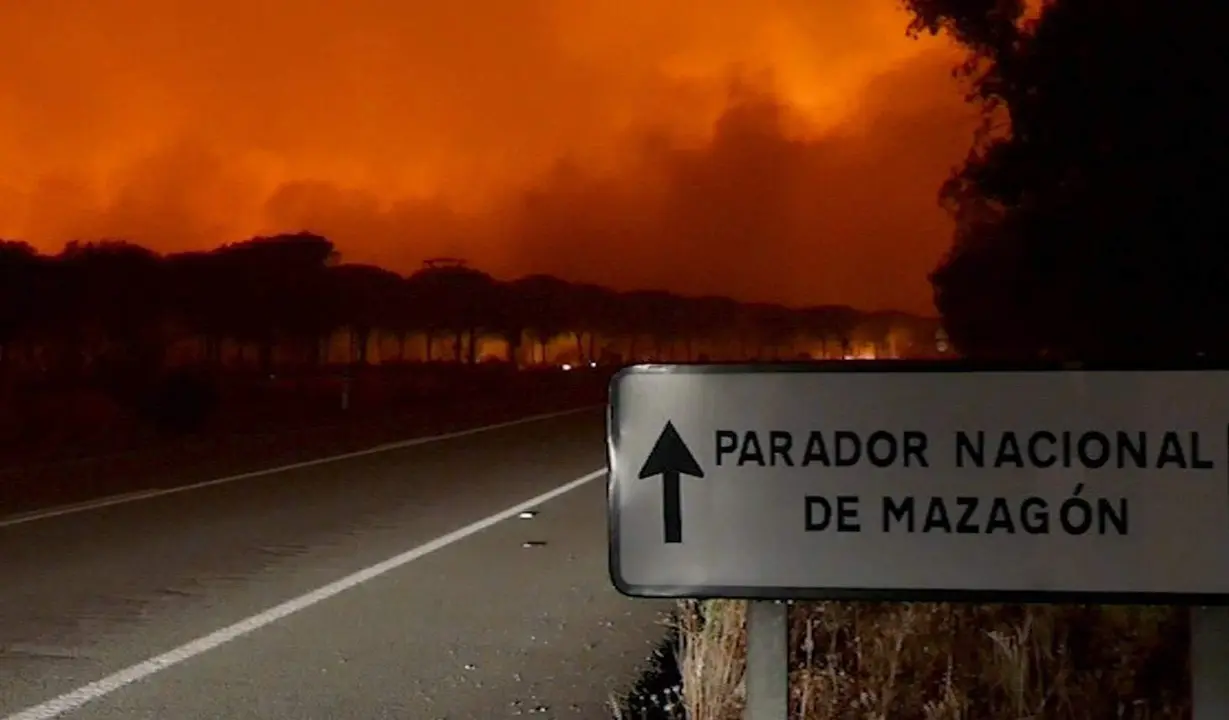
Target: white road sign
(902,481)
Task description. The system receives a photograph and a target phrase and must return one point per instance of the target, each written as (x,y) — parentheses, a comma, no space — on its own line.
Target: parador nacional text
(974,449)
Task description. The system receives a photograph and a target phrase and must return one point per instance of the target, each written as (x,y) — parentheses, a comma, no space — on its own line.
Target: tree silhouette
(587,317)
(107,308)
(461,298)
(548,312)
(834,325)
(508,319)
(272,284)
(196,299)
(1089,207)
(710,318)
(368,299)
(777,329)
(20,275)
(658,315)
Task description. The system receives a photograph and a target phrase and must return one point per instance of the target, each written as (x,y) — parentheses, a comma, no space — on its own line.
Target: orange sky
(785,150)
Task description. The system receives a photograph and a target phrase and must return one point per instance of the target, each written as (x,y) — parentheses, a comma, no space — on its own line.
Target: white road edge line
(75,699)
(159,492)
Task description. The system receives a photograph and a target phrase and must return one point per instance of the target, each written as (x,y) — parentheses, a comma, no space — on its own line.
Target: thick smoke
(786,150)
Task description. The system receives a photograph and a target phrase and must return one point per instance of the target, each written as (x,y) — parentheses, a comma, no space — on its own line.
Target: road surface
(402,583)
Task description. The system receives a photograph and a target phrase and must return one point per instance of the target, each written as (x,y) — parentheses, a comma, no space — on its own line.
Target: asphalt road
(374,586)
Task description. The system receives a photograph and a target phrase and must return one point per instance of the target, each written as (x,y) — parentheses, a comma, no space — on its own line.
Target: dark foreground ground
(260,423)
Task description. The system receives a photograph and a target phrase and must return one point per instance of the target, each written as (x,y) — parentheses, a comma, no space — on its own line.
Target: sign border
(876,594)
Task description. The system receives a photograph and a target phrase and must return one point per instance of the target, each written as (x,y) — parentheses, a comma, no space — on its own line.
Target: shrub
(872,661)
(183,401)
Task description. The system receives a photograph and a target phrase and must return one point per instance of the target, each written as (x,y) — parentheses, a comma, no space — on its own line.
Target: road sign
(912,481)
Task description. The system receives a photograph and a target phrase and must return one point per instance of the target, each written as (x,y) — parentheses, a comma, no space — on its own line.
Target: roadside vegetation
(921,661)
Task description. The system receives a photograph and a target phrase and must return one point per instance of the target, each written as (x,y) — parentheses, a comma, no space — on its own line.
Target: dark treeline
(280,302)
(1091,211)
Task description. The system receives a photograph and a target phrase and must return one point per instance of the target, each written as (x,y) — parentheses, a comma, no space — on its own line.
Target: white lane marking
(158,492)
(74,699)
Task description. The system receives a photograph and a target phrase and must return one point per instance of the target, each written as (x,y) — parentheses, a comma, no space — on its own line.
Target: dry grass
(865,661)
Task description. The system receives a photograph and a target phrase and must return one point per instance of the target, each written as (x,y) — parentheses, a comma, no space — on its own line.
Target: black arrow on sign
(671,459)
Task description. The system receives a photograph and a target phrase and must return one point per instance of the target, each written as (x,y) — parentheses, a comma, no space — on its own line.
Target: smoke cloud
(784,150)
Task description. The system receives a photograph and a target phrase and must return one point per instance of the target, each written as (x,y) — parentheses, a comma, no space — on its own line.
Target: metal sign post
(1209,663)
(908,481)
(767,660)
